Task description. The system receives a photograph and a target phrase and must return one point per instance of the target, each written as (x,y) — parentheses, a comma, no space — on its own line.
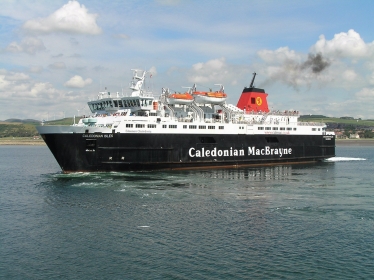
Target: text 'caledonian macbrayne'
(251,151)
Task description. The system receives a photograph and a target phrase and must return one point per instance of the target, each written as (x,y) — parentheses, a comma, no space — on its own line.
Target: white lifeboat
(204,97)
(180,98)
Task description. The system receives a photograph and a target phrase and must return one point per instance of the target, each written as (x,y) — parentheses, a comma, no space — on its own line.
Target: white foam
(334,159)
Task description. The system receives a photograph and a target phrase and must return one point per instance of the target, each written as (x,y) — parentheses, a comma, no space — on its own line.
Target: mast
(253,80)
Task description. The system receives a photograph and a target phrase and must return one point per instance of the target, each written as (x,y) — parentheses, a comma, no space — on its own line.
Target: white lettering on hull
(267,151)
(231,152)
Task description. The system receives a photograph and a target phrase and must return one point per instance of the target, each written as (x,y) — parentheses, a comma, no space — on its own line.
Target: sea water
(312,221)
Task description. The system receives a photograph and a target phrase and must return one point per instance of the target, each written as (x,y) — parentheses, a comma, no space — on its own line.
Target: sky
(316,57)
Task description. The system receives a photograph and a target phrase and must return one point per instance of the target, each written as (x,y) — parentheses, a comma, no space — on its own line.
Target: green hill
(66,121)
(17,129)
(26,128)
(343,122)
(22,121)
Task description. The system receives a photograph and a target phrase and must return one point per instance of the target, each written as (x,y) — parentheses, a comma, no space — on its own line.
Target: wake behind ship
(194,129)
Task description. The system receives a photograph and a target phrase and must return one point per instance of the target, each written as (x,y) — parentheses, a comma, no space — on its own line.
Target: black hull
(135,152)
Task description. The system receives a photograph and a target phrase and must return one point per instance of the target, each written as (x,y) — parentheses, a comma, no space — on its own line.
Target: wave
(335,159)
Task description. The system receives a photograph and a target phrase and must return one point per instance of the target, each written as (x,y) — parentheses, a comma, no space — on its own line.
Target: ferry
(193,130)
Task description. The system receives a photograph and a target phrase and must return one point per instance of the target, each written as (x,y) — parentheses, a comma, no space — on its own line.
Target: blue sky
(316,57)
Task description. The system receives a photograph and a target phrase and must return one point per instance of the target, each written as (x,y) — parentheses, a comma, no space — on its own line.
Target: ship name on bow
(97,135)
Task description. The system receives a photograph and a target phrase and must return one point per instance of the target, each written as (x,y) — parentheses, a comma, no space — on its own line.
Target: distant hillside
(16,129)
(26,128)
(21,121)
(66,121)
(340,123)
(312,116)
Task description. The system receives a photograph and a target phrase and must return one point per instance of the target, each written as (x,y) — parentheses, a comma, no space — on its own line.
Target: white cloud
(4,84)
(43,89)
(366,93)
(17,77)
(14,84)
(35,69)
(11,82)
(70,18)
(371,78)
(210,71)
(30,45)
(78,82)
(348,44)
(280,55)
(14,48)
(349,75)
(57,65)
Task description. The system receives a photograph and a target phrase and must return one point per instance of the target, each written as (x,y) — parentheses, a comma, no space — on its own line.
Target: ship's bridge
(108,104)
(138,100)
(105,103)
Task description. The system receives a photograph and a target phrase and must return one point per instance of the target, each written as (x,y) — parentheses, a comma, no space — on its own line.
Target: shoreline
(354,142)
(19,141)
(39,142)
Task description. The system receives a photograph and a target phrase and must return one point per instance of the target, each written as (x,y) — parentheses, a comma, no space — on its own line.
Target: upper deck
(195,112)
